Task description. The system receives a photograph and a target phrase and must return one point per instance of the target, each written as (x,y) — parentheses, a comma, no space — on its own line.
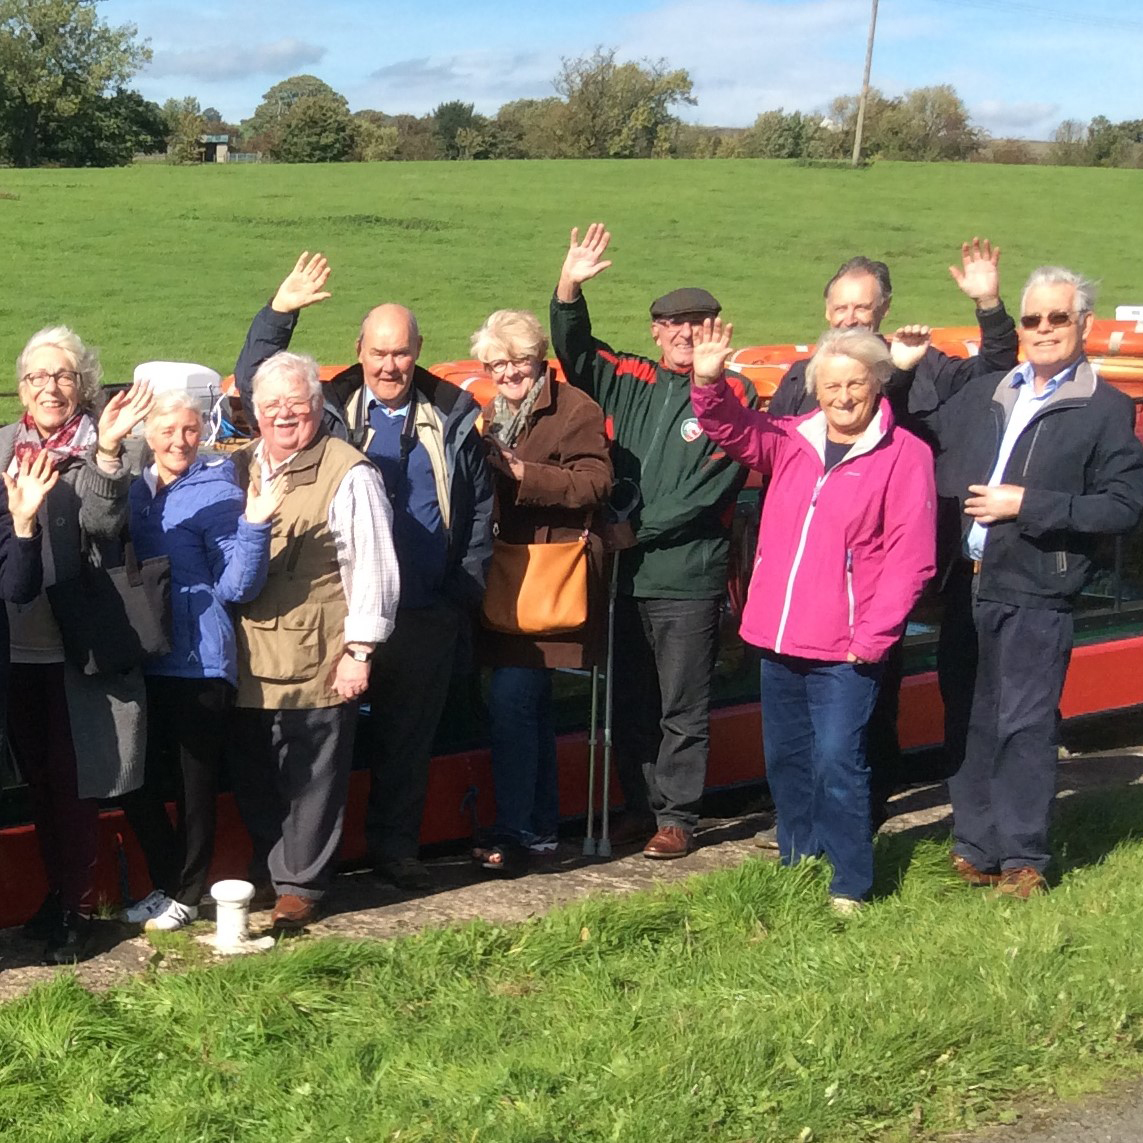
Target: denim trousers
(815,717)
(523,755)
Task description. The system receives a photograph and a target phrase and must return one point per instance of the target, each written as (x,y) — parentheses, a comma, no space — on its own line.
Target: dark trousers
(883,748)
(290,772)
(67,826)
(523,755)
(664,659)
(408,686)
(814,719)
(1003,791)
(187,727)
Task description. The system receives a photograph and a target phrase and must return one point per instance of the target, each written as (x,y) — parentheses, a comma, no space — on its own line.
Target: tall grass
(734,1007)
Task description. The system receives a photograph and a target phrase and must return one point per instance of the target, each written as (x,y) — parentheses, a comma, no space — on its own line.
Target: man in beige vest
(305,644)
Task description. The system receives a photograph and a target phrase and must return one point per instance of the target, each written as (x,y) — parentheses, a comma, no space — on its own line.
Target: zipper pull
(817,489)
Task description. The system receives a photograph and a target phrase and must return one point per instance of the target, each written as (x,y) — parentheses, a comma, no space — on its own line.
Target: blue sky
(1020,66)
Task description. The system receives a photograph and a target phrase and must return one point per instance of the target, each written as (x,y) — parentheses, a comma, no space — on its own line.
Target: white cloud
(1018,119)
(211,64)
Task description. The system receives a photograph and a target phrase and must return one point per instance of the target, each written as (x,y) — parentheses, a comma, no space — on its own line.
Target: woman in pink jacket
(847,541)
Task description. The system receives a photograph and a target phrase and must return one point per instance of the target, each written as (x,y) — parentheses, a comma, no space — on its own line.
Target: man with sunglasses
(672,583)
(1036,465)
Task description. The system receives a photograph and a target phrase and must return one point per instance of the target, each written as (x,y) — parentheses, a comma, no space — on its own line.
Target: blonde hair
(858,345)
(84,360)
(511,334)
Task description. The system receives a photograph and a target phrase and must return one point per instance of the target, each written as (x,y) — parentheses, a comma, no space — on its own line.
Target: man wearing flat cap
(673,582)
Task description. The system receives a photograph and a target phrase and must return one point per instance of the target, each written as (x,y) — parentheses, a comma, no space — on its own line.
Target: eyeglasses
(288,405)
(64,378)
(1057,319)
(499,368)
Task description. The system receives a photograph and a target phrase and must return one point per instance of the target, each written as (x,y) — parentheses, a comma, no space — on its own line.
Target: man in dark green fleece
(673,582)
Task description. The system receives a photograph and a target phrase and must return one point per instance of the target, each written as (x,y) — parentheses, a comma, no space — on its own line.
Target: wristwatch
(359,656)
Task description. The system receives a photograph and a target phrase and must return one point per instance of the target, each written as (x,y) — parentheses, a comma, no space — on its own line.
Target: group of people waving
(369,542)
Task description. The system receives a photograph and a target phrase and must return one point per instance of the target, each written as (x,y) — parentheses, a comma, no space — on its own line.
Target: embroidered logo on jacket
(690,430)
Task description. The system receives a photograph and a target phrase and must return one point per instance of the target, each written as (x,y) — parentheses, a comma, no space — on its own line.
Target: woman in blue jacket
(218,541)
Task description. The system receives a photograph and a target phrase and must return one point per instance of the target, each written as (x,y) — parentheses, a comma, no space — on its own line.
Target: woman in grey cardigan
(76,738)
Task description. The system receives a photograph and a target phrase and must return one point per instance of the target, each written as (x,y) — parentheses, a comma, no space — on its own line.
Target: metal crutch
(604,846)
(589,846)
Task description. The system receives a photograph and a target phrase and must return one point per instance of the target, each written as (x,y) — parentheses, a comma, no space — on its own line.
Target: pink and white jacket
(842,556)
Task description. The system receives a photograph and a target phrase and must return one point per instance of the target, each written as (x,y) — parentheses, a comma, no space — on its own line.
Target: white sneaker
(151,906)
(173,917)
(845,906)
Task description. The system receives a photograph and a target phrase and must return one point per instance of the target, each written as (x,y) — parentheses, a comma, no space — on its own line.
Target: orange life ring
(1115,339)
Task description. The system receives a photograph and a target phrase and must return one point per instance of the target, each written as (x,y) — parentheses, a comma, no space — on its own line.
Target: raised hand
(711,349)
(121,414)
(584,260)
(979,273)
(261,505)
(908,345)
(303,285)
(27,491)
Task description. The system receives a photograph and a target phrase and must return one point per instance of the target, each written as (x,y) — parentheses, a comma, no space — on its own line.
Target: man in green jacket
(673,582)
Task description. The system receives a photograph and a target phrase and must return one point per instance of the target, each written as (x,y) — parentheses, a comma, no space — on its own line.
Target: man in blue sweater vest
(421,433)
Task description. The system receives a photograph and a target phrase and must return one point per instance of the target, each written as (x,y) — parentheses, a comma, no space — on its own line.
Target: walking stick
(604,847)
(589,846)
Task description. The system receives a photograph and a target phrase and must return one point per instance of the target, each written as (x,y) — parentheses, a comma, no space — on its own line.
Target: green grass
(165,262)
(731,1007)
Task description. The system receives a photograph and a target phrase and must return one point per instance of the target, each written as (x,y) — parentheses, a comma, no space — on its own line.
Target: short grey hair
(172,401)
(511,334)
(878,271)
(857,344)
(297,366)
(84,360)
(1086,289)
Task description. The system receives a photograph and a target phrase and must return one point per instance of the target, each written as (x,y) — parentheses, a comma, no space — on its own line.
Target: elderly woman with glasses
(191,510)
(548,449)
(76,737)
(846,543)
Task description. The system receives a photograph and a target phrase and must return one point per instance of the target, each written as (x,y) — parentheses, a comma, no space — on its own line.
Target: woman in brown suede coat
(548,449)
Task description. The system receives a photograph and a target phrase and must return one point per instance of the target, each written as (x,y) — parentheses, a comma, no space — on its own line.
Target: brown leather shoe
(292,913)
(1022,882)
(670,841)
(969,873)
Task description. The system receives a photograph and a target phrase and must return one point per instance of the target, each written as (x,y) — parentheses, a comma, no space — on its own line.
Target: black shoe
(406,873)
(41,926)
(71,941)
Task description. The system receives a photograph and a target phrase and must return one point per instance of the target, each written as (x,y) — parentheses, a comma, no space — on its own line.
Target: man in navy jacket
(1036,464)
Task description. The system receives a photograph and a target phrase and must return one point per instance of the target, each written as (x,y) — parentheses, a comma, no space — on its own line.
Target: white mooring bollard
(232,918)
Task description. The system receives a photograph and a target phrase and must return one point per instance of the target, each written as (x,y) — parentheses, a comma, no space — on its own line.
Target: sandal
(507,860)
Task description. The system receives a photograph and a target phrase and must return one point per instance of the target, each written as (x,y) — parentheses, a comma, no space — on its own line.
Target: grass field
(733,1007)
(170,263)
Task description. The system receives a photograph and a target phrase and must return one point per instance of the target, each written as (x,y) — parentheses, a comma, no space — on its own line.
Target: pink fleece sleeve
(749,436)
(908,557)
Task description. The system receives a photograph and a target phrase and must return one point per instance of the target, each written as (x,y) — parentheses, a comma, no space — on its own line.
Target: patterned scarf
(73,438)
(508,424)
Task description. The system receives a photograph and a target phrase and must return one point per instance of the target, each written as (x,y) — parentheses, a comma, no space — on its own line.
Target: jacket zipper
(797,562)
(1032,447)
(849,586)
(661,422)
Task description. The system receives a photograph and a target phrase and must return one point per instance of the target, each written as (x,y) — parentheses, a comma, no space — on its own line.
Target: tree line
(65,100)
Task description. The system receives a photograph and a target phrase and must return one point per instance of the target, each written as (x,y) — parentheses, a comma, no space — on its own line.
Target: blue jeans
(523,755)
(814,720)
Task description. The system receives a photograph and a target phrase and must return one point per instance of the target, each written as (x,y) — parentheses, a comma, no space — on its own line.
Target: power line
(1044,12)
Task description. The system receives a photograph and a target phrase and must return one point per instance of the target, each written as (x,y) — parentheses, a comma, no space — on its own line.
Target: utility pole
(864,86)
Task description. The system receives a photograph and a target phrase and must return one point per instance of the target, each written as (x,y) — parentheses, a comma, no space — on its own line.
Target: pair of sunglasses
(1057,319)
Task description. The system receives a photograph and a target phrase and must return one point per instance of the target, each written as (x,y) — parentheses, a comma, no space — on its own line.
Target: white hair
(859,345)
(1085,288)
(173,401)
(294,366)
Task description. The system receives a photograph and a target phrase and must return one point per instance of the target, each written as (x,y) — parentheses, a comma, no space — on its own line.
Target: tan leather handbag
(537,589)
